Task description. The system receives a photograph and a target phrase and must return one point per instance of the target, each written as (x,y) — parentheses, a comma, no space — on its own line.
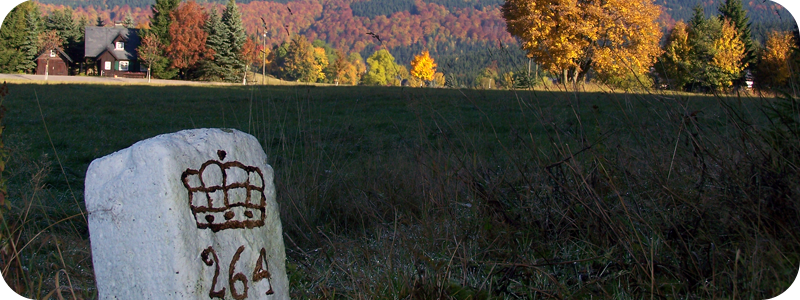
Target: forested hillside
(400,23)
(760,10)
(450,29)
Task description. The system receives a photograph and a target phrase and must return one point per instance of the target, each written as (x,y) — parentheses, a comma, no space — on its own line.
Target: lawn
(389,192)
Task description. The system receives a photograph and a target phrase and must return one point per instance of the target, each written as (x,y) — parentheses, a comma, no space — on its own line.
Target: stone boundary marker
(187,215)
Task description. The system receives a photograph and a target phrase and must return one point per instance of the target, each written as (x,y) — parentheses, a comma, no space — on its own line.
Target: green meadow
(408,193)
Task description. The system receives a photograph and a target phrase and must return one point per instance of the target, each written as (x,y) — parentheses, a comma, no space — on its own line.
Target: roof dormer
(119,42)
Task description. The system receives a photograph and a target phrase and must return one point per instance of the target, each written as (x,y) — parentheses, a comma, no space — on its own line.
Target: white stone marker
(187,215)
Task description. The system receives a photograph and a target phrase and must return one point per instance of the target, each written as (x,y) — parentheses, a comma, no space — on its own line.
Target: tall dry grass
(474,195)
(43,253)
(653,196)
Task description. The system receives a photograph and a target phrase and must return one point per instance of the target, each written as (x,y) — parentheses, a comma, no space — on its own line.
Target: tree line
(26,33)
(718,52)
(191,41)
(617,42)
(186,42)
(317,62)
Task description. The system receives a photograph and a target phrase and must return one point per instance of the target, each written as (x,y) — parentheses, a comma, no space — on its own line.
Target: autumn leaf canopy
(615,37)
(422,66)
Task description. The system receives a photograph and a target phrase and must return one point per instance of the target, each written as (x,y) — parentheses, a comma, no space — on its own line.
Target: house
(55,60)
(113,50)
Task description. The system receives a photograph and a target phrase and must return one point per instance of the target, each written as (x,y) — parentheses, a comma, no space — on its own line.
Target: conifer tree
(232,20)
(63,22)
(213,67)
(702,36)
(160,21)
(698,18)
(733,11)
(159,26)
(30,47)
(13,37)
(129,22)
(716,52)
(83,21)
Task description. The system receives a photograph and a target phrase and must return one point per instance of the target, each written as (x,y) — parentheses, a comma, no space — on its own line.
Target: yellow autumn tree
(773,69)
(675,64)
(439,79)
(617,38)
(346,70)
(320,63)
(423,66)
(300,61)
(729,51)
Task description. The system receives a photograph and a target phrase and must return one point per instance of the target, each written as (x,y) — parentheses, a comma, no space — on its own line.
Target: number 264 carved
(209,257)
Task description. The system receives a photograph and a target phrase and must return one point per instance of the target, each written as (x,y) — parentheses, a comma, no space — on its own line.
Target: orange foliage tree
(617,38)
(250,55)
(348,70)
(423,67)
(774,68)
(188,43)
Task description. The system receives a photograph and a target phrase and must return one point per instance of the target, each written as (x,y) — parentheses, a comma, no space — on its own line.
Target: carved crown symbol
(225,195)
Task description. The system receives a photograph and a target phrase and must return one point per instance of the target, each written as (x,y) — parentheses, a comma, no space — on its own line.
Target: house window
(107,65)
(120,46)
(52,53)
(123,65)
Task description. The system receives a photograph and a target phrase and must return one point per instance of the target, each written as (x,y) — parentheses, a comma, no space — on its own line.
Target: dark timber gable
(113,50)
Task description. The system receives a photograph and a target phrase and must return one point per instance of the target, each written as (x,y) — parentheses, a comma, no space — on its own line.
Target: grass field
(397,193)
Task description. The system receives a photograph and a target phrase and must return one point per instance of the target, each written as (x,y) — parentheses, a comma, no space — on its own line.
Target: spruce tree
(63,22)
(129,22)
(160,21)
(217,68)
(698,18)
(733,11)
(30,47)
(232,20)
(13,36)
(159,26)
(702,36)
